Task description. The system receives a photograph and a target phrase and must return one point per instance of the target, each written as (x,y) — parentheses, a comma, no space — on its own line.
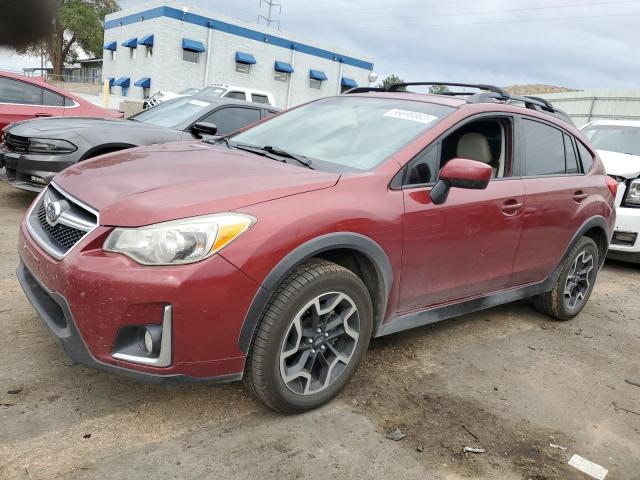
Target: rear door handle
(42,115)
(579,196)
(511,207)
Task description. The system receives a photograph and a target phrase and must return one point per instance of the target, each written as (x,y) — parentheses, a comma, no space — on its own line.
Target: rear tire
(312,336)
(575,283)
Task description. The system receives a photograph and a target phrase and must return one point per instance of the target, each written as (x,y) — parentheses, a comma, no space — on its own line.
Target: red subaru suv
(275,254)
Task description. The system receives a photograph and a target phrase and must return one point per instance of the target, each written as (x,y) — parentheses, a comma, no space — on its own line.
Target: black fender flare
(313,247)
(107,147)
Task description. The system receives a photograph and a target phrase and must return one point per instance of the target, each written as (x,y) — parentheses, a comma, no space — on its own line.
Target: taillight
(613,186)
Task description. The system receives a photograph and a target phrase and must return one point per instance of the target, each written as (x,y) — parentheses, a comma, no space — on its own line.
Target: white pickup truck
(618,145)
(216,90)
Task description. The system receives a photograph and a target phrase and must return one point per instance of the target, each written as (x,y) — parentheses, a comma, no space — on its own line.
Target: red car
(24,98)
(275,254)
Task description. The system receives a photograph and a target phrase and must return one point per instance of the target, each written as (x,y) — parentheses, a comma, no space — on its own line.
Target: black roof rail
(394,87)
(365,90)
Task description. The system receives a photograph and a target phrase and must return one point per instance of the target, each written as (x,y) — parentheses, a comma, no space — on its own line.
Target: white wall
(168,71)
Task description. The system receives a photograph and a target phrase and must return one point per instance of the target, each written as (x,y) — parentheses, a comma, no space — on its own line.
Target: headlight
(180,241)
(632,198)
(47,145)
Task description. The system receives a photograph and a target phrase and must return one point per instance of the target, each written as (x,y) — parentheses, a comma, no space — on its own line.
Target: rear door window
(259,98)
(230,119)
(52,99)
(544,150)
(22,93)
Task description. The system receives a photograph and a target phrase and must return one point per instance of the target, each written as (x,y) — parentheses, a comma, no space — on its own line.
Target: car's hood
(620,164)
(152,184)
(61,127)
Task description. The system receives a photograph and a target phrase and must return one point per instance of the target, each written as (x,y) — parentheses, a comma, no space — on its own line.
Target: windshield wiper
(283,153)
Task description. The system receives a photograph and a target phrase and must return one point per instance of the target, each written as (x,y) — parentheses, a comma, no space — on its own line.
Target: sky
(572,43)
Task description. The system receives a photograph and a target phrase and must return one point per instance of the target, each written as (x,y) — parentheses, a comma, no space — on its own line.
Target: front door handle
(511,207)
(42,115)
(579,196)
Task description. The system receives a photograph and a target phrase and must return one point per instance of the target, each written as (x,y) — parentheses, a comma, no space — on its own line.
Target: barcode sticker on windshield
(198,103)
(409,115)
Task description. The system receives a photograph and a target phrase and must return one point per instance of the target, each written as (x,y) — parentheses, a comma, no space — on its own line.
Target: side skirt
(437,314)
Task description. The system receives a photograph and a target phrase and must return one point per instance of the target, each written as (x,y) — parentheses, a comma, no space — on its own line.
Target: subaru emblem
(53,211)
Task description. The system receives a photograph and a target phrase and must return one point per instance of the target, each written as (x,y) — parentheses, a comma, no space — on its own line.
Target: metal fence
(75,83)
(586,106)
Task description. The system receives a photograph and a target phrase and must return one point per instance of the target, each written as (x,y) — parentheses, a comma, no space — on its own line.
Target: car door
(22,100)
(466,246)
(558,199)
(231,118)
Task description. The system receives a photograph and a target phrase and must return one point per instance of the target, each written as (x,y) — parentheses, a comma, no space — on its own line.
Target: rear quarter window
(585,157)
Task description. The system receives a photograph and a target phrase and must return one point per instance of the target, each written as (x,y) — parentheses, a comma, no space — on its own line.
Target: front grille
(15,143)
(70,223)
(64,236)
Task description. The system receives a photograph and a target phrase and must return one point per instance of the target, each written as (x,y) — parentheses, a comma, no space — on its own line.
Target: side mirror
(460,173)
(204,128)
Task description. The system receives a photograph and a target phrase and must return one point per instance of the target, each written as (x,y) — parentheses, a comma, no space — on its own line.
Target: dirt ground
(507,380)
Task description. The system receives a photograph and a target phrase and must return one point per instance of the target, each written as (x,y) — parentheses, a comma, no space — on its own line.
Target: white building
(163,45)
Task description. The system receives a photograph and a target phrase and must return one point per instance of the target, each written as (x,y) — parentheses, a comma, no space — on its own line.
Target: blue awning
(193,45)
(349,82)
(283,67)
(131,43)
(122,82)
(113,46)
(148,41)
(109,80)
(144,82)
(317,75)
(246,58)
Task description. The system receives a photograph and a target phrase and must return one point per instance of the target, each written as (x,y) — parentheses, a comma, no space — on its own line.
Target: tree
(76,24)
(438,89)
(390,80)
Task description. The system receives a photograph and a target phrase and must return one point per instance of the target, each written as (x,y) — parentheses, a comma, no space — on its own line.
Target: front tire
(312,336)
(575,283)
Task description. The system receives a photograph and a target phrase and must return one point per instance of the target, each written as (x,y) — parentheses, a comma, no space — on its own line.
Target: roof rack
(487,93)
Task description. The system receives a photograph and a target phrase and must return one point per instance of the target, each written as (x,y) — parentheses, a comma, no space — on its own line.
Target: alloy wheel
(579,280)
(319,343)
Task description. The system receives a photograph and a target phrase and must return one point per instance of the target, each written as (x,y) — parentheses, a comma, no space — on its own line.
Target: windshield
(174,113)
(353,132)
(615,138)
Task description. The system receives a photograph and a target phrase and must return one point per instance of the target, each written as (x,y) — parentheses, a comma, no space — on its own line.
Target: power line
(494,12)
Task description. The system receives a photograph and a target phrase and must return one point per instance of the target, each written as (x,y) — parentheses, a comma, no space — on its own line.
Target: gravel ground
(507,380)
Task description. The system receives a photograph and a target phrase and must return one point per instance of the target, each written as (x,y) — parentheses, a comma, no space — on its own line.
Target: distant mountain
(536,89)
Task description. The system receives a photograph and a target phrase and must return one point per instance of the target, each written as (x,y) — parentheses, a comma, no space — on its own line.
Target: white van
(216,90)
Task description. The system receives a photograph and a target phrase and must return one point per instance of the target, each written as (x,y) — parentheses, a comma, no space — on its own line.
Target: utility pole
(268,19)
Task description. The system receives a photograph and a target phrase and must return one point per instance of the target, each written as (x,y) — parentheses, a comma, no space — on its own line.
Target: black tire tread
(301,276)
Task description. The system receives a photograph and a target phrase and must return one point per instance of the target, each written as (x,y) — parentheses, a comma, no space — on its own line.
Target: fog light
(148,341)
(624,238)
(38,180)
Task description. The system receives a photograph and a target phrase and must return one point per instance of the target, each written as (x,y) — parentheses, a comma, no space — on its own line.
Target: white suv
(618,144)
(216,90)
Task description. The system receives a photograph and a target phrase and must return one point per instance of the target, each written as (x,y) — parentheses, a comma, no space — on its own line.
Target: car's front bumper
(89,296)
(625,244)
(32,172)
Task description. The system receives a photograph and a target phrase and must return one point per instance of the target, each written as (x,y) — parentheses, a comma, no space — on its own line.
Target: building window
(113,55)
(149,51)
(189,56)
(315,84)
(145,92)
(124,91)
(243,67)
(132,53)
(281,77)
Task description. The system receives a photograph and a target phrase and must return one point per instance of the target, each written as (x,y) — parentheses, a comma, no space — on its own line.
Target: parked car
(276,253)
(216,90)
(34,151)
(23,98)
(618,144)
